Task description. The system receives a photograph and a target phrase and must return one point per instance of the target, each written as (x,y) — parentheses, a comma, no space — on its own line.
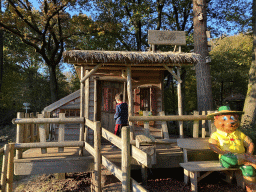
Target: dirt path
(80,182)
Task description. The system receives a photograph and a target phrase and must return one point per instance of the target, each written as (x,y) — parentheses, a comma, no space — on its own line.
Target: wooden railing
(127,150)
(164,118)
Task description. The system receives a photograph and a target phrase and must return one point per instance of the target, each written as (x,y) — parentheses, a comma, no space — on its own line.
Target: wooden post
(26,133)
(124,92)
(186,172)
(61,132)
(32,129)
(126,159)
(196,126)
(97,158)
(203,126)
(19,135)
(130,99)
(95,100)
(47,126)
(42,135)
(177,77)
(88,74)
(10,168)
(153,48)
(81,135)
(180,104)
(144,174)
(146,124)
(86,108)
(4,167)
(37,129)
(165,133)
(211,125)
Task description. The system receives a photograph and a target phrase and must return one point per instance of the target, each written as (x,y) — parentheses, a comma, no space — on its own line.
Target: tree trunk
(160,6)
(138,35)
(53,83)
(203,77)
(248,119)
(1,53)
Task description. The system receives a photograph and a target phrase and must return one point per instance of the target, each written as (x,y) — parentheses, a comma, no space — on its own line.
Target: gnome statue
(235,149)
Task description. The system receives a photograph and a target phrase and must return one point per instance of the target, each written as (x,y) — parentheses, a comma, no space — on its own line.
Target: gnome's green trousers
(231,160)
(248,171)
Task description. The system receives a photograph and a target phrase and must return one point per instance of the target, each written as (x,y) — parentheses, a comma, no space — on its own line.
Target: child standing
(121,115)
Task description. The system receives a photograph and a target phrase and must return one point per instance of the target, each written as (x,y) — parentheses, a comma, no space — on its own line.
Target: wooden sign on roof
(156,37)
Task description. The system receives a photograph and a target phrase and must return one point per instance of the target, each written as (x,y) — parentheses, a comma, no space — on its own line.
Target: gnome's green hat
(225,110)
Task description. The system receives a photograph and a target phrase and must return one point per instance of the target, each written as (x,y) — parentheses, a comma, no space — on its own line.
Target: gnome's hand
(249,158)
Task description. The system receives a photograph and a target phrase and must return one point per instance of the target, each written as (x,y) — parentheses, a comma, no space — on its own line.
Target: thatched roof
(85,57)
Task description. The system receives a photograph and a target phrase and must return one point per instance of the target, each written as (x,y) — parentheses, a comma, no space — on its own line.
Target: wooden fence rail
(123,174)
(196,118)
(123,143)
(127,151)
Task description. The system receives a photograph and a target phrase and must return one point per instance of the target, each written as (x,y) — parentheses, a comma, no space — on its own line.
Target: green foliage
(46,31)
(231,60)
(24,80)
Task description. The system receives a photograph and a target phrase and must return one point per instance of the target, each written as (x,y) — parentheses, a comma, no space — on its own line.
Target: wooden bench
(192,169)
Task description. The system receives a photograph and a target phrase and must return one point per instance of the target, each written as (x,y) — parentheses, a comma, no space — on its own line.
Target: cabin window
(72,113)
(145,99)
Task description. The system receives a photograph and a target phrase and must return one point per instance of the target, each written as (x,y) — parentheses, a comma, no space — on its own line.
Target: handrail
(48,120)
(170,118)
(49,144)
(136,153)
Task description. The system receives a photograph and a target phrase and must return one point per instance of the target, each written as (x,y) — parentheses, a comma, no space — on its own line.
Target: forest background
(36,34)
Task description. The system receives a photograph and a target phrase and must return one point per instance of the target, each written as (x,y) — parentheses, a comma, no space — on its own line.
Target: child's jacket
(121,115)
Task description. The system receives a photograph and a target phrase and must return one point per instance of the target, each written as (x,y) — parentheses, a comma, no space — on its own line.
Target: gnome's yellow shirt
(233,142)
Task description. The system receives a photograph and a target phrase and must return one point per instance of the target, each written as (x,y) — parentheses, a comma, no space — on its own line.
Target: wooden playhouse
(103,74)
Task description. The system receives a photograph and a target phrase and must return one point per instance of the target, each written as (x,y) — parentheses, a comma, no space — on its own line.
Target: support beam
(61,133)
(146,124)
(177,77)
(95,100)
(126,159)
(130,99)
(165,133)
(10,168)
(124,92)
(86,104)
(81,134)
(180,111)
(19,135)
(4,167)
(90,73)
(97,157)
(42,134)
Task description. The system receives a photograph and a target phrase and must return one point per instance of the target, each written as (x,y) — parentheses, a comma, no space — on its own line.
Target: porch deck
(33,162)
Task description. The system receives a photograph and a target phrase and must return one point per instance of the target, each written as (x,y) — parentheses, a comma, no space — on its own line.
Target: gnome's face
(227,122)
